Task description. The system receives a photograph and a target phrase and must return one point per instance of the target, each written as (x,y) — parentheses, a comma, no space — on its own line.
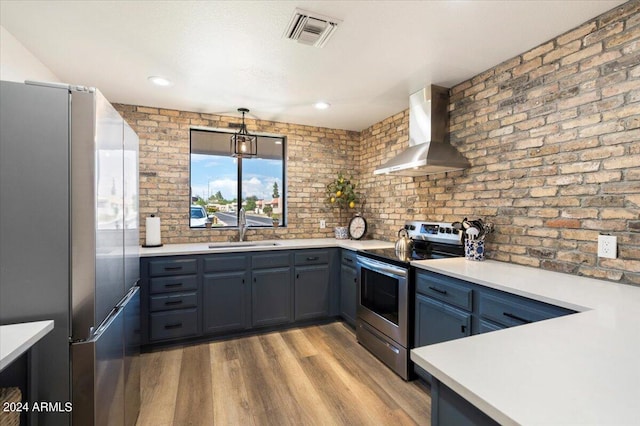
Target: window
(222,184)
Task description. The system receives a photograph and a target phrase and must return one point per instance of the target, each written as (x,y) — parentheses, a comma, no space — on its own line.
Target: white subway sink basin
(242,244)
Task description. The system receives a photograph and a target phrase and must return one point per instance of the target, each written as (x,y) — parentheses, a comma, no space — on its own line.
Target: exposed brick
(551,134)
(563,223)
(577,33)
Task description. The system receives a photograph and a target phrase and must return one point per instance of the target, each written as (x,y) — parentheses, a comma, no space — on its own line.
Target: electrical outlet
(608,246)
(323,224)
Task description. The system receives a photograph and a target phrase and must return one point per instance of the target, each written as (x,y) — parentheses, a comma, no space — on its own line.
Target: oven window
(379,293)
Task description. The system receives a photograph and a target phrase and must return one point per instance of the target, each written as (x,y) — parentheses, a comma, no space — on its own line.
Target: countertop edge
(18,338)
(287,244)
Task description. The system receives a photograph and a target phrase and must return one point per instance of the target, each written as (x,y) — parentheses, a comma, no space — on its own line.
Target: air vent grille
(311,28)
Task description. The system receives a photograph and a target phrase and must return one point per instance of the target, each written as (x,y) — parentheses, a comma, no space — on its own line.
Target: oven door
(383,298)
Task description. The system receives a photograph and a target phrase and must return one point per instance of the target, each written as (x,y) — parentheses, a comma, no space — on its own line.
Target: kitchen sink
(242,244)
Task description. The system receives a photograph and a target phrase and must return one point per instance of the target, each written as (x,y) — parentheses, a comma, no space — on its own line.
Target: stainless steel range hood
(428,150)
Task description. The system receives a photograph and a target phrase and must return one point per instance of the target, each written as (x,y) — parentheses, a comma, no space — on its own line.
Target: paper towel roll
(153,231)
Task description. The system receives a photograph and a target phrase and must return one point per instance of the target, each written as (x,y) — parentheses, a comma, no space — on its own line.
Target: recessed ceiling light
(159,81)
(321,105)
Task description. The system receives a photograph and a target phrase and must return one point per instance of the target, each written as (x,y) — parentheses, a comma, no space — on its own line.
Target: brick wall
(314,157)
(553,138)
(552,135)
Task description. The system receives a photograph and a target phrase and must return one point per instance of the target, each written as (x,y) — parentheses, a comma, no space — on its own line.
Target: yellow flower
(338,194)
(333,199)
(352,204)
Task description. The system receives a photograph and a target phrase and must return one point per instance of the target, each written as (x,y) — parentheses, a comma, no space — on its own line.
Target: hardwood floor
(317,375)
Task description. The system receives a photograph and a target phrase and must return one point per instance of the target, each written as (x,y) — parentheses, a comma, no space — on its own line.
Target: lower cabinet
(191,296)
(438,322)
(271,297)
(311,292)
(348,293)
(448,308)
(225,297)
(450,409)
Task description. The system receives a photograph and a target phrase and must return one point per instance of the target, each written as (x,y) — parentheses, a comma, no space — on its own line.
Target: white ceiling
(222,55)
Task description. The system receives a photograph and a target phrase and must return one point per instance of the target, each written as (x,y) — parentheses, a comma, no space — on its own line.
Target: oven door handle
(382,267)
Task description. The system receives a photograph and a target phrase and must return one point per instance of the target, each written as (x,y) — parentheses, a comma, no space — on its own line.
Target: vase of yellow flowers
(341,193)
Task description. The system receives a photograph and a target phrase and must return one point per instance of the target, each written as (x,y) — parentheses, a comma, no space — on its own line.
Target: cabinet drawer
(174,324)
(225,263)
(512,310)
(311,257)
(173,301)
(269,260)
(168,284)
(172,267)
(445,289)
(349,257)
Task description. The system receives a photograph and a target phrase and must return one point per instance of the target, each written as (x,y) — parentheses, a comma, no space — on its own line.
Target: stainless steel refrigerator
(69,246)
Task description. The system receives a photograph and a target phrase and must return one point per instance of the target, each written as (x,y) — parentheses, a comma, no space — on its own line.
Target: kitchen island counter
(262,245)
(576,369)
(15,339)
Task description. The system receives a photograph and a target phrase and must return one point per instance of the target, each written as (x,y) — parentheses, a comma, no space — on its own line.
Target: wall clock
(357,227)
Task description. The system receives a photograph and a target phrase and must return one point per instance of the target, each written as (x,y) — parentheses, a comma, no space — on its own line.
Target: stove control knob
(449,230)
(442,230)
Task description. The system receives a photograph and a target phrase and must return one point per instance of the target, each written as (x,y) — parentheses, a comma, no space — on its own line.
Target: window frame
(239,171)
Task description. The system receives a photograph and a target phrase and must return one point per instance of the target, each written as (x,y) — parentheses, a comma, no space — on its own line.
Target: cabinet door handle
(173,302)
(243,281)
(348,259)
(310,258)
(355,280)
(171,326)
(437,290)
(463,328)
(173,285)
(255,280)
(515,317)
(297,276)
(172,268)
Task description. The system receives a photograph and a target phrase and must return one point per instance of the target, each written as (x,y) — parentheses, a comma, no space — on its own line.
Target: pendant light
(244,145)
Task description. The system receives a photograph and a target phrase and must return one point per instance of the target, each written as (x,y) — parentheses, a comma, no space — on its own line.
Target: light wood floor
(316,375)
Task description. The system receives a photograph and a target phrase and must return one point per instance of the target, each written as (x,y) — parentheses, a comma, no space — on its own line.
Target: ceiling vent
(311,28)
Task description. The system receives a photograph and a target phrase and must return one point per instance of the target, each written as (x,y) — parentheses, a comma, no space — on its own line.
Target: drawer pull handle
(311,258)
(171,326)
(437,290)
(172,268)
(348,259)
(173,285)
(515,317)
(173,302)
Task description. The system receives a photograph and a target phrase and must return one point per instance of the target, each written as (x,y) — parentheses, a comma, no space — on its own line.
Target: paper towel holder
(152,245)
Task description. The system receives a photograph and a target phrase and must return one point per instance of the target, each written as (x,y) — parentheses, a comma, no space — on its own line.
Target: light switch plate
(323,224)
(608,246)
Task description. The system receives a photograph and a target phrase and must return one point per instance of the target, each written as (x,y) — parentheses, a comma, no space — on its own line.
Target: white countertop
(577,369)
(200,248)
(15,339)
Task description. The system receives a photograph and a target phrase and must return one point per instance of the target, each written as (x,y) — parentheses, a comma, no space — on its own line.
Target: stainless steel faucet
(242,224)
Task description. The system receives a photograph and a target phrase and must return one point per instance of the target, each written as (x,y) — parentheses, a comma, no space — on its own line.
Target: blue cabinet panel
(225,300)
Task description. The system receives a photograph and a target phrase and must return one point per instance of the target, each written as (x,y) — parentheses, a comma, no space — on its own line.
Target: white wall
(18,64)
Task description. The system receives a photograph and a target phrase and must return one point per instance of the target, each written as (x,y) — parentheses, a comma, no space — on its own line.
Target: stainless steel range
(386,291)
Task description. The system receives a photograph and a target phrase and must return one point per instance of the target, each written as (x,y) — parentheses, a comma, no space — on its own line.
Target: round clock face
(357,227)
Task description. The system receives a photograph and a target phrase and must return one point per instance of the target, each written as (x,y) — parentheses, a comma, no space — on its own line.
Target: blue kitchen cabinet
(450,409)
(271,289)
(226,293)
(312,284)
(438,322)
(348,287)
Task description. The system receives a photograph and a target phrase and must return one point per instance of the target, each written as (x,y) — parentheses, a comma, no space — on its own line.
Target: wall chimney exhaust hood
(429,152)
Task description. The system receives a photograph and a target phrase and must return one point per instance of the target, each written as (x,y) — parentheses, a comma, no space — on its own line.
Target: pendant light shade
(244,145)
